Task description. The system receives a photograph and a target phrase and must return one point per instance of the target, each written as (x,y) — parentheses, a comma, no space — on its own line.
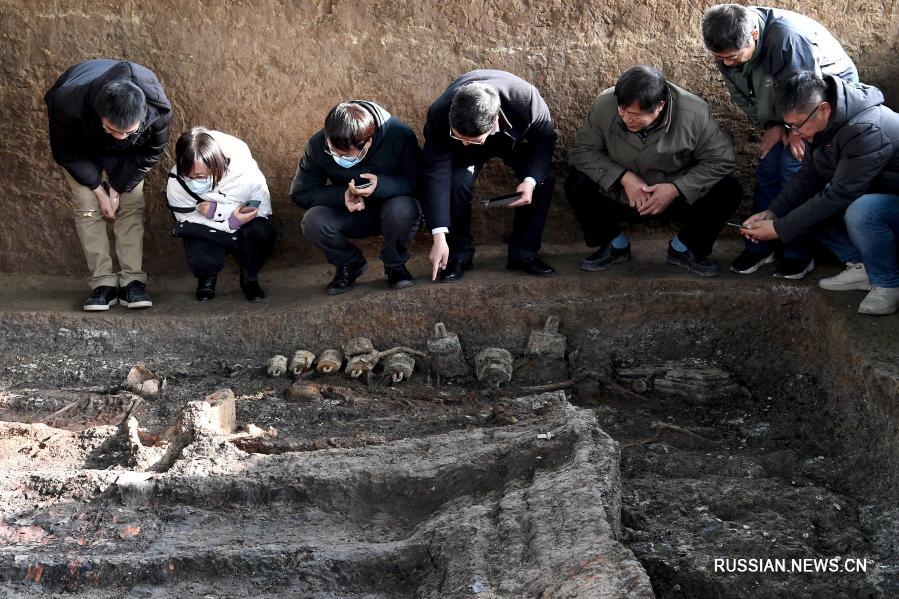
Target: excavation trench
(666,451)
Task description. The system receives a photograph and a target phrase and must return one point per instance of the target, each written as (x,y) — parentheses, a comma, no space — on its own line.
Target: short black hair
(727,27)
(122,103)
(348,126)
(197,144)
(474,108)
(641,84)
(800,92)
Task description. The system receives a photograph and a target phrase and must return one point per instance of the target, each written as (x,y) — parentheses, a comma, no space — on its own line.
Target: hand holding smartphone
(503,200)
(363,183)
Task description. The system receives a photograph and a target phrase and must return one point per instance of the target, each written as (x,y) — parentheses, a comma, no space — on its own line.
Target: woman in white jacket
(221,202)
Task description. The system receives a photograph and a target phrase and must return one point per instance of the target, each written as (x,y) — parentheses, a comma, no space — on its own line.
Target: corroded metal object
(359,364)
(399,366)
(301,362)
(446,353)
(358,345)
(330,361)
(277,365)
(493,366)
(548,342)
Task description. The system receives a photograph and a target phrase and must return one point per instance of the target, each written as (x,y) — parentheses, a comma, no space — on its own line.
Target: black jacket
(77,138)
(525,126)
(857,153)
(394,157)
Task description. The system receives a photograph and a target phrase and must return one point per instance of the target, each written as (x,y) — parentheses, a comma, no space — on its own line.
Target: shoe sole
(100,307)
(677,262)
(798,275)
(767,260)
(135,305)
(402,284)
(844,286)
(589,267)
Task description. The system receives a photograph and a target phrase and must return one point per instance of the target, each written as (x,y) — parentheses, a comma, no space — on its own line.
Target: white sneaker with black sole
(853,278)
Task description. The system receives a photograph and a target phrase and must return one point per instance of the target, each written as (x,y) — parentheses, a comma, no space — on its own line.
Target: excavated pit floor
(691,421)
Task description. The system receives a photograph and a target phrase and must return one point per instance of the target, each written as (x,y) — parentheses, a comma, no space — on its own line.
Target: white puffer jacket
(243,181)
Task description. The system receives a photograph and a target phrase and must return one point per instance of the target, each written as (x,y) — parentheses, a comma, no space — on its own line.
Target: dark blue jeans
(869,234)
(774,171)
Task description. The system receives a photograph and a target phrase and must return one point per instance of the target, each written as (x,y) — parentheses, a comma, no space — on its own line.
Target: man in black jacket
(481,115)
(847,192)
(357,179)
(109,124)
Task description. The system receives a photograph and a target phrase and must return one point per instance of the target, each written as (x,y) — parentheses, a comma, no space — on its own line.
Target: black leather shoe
(206,288)
(252,291)
(345,277)
(455,270)
(531,266)
(699,265)
(398,277)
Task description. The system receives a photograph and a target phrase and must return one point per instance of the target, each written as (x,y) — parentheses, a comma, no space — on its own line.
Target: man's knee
(861,213)
(401,211)
(578,185)
(317,222)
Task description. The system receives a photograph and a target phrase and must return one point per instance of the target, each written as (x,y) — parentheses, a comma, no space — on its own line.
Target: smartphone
(737,225)
(253,204)
(503,200)
(363,184)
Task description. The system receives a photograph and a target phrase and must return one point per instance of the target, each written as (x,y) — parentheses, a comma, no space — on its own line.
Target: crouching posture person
(649,148)
(221,202)
(847,192)
(357,179)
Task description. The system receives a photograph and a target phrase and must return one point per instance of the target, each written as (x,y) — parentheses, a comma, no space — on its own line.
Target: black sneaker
(134,295)
(794,268)
(252,291)
(605,257)
(398,277)
(701,266)
(101,298)
(749,262)
(345,277)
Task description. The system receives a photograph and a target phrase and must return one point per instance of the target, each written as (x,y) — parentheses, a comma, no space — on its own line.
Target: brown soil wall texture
(267,72)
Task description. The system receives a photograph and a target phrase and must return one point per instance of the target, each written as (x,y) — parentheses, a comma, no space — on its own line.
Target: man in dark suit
(485,114)
(109,124)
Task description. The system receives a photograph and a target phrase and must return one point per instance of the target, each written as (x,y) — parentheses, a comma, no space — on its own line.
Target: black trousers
(255,243)
(601,216)
(528,223)
(330,229)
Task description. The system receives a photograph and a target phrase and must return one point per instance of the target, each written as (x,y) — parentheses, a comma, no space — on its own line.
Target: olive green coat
(687,148)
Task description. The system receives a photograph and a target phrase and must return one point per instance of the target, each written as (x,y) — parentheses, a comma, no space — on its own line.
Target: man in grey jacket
(847,192)
(755,49)
(650,148)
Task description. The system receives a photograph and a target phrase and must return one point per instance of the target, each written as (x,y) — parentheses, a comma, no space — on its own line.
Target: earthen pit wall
(267,71)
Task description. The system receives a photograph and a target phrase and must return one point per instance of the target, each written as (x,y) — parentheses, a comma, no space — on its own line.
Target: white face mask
(199,186)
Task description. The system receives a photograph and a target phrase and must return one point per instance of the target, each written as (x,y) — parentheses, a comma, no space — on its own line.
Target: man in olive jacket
(109,124)
(650,148)
(847,192)
(756,48)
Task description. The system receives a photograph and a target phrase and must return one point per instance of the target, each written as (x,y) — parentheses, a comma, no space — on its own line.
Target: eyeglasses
(472,141)
(127,134)
(361,153)
(795,128)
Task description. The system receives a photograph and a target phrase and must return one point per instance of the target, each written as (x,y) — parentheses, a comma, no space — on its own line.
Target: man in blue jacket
(484,114)
(358,178)
(847,192)
(109,124)
(755,49)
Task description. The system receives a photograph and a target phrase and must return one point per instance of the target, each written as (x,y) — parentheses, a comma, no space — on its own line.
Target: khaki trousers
(92,231)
